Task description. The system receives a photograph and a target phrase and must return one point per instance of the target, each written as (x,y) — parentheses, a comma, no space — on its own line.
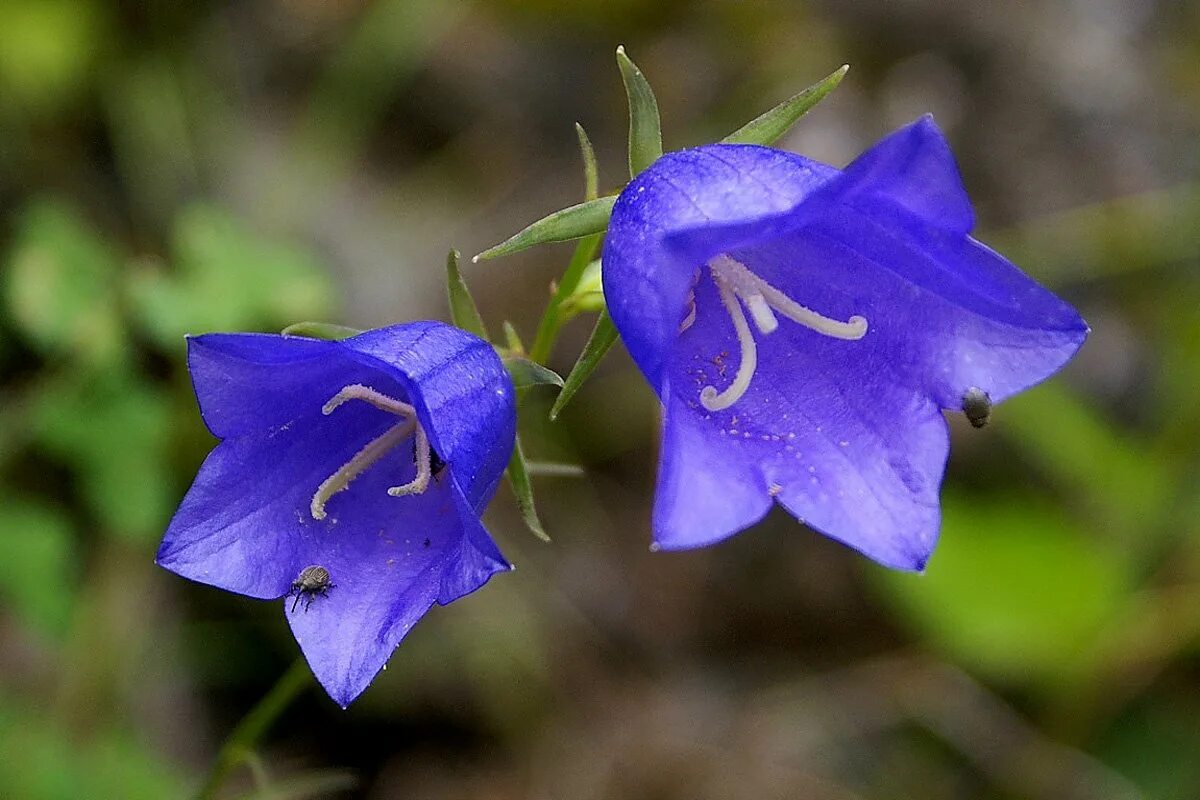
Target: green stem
(552,321)
(247,733)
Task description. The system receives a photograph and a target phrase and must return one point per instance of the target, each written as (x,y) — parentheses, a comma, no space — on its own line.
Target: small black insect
(977,406)
(311,581)
(426,543)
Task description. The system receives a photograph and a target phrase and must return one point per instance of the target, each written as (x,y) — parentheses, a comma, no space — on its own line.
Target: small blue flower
(804,327)
(370,458)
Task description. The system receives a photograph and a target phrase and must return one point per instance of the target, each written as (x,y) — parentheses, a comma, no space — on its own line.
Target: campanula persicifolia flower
(805,327)
(349,480)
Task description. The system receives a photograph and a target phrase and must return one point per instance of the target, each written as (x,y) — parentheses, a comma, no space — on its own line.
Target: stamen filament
(377,448)
(374,450)
(421,482)
(710,398)
(738,285)
(356,391)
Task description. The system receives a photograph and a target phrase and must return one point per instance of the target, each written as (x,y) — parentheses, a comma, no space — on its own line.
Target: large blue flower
(370,458)
(804,327)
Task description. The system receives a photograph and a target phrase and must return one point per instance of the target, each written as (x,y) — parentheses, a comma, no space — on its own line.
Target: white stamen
(736,282)
(375,449)
(356,391)
(421,482)
(709,397)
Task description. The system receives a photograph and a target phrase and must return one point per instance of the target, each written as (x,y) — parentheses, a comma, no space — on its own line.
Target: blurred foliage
(170,169)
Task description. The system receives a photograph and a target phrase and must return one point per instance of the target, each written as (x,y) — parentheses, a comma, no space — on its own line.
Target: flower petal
(432,549)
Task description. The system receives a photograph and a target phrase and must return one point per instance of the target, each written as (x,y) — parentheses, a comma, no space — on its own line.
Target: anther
(375,449)
(738,285)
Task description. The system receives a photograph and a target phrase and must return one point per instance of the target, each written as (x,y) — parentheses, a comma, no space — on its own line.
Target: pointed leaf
(602,338)
(526,374)
(574,222)
(512,339)
(645,127)
(463,311)
(518,479)
(591,173)
(321,330)
(767,128)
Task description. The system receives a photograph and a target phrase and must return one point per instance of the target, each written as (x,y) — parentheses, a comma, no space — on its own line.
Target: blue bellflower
(369,458)
(805,326)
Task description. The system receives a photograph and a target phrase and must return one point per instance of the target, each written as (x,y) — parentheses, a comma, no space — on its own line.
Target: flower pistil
(737,285)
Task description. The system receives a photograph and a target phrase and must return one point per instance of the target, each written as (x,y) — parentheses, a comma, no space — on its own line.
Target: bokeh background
(168,168)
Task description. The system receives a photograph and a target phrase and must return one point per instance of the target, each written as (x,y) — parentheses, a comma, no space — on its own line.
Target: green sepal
(518,478)
(321,330)
(512,340)
(598,344)
(574,222)
(591,172)
(463,311)
(767,128)
(645,126)
(526,374)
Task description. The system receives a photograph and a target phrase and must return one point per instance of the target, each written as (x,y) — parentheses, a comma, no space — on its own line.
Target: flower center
(377,448)
(738,287)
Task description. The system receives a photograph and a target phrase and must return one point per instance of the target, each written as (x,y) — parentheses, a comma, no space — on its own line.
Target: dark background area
(171,168)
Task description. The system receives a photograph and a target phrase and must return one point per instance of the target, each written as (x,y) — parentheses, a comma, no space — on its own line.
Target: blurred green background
(169,167)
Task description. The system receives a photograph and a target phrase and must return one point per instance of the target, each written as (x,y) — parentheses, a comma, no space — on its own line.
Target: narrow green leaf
(512,339)
(591,173)
(767,128)
(321,330)
(463,311)
(527,374)
(602,338)
(645,127)
(574,222)
(518,479)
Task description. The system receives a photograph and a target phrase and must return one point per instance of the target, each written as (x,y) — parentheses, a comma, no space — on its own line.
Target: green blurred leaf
(767,128)
(321,330)
(115,434)
(463,311)
(645,127)
(1114,474)
(518,479)
(39,760)
(591,172)
(227,278)
(527,374)
(598,344)
(48,50)
(37,570)
(1012,590)
(60,286)
(574,222)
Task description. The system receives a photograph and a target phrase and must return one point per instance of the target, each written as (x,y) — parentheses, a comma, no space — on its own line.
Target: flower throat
(377,448)
(739,287)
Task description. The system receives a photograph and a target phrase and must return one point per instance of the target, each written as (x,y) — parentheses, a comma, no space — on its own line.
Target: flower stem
(241,741)
(551,322)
